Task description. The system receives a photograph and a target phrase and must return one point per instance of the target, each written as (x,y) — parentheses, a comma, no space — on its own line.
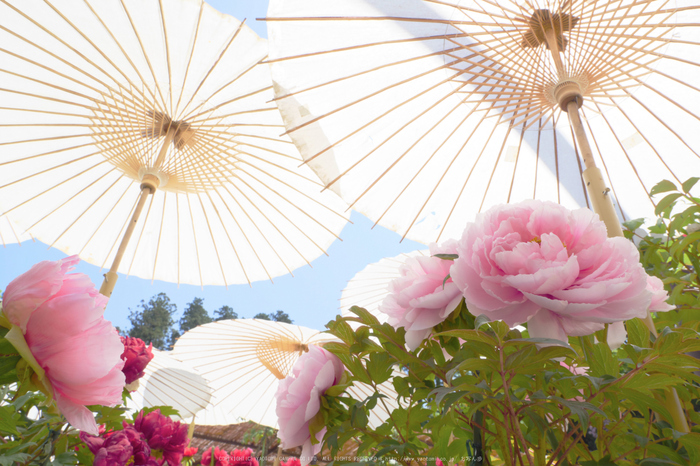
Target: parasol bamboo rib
(149,186)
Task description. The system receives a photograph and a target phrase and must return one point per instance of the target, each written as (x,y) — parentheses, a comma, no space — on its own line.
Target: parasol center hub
(568,91)
(152,178)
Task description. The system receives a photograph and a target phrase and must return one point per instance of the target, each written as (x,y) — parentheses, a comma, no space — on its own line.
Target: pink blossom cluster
(150,437)
(237,457)
(299,399)
(59,329)
(533,262)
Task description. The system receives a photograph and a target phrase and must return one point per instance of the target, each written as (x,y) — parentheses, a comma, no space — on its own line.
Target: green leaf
(8,369)
(666,202)
(640,400)
(442,392)
(633,224)
(645,381)
(605,461)
(447,257)
(342,330)
(380,367)
(470,335)
(8,420)
(478,364)
(337,347)
(537,420)
(336,390)
(481,320)
(444,281)
(680,248)
(691,442)
(657,462)
(64,459)
(637,333)
(367,317)
(580,409)
(9,459)
(544,341)
(659,451)
(689,183)
(663,187)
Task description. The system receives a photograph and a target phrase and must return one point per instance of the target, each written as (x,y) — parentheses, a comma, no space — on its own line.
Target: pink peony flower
(617,334)
(420,299)
(291,462)
(659,296)
(164,434)
(242,458)
(59,328)
(111,450)
(299,399)
(221,458)
(136,357)
(541,263)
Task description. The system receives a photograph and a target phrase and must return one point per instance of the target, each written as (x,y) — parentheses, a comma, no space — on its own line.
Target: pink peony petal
(546,324)
(617,334)
(28,291)
(77,415)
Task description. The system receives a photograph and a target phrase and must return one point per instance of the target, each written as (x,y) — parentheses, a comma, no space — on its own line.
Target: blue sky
(310,297)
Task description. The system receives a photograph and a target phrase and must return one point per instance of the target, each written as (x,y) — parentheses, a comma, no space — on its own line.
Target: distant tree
(278,316)
(174,335)
(152,321)
(225,313)
(194,315)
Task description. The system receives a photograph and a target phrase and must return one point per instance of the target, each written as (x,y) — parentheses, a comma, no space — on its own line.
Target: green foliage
(194,315)
(672,251)
(481,393)
(277,316)
(225,313)
(152,321)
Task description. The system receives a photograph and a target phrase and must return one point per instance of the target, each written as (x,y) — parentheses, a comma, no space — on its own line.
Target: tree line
(153,321)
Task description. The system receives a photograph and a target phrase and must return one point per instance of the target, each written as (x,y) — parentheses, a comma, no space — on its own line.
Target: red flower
(291,462)
(162,433)
(191,451)
(243,458)
(142,452)
(220,456)
(114,450)
(136,357)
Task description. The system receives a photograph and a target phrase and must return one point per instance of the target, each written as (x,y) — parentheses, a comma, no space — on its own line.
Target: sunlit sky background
(310,297)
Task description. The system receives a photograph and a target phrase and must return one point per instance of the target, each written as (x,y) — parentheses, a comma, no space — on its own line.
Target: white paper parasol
(11,233)
(368,288)
(421,113)
(245,358)
(168,381)
(105,101)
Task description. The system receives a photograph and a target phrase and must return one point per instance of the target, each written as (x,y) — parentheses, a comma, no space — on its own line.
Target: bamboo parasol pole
(568,94)
(149,184)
